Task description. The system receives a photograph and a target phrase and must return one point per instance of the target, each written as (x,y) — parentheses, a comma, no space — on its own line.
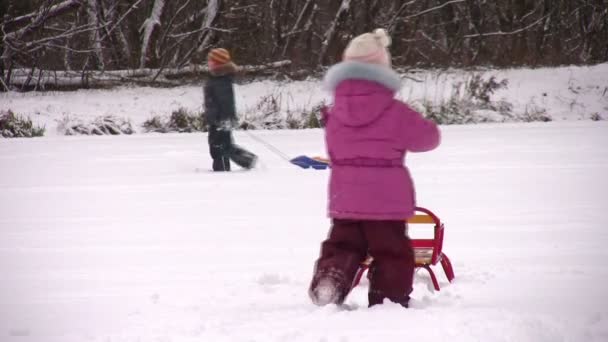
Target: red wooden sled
(428,252)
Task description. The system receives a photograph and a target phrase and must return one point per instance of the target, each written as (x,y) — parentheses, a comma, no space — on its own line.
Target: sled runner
(427,252)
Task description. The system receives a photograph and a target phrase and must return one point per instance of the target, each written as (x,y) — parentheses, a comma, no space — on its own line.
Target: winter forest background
(87,37)
(114,229)
(461,61)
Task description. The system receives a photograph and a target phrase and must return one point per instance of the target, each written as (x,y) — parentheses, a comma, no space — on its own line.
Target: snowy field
(566,93)
(131,239)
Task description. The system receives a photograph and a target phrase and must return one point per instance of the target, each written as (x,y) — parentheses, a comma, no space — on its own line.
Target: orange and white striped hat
(219,56)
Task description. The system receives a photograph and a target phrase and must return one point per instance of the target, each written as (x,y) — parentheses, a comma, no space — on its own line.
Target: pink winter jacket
(368,133)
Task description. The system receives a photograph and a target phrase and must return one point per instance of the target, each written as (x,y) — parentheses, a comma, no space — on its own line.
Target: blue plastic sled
(306,162)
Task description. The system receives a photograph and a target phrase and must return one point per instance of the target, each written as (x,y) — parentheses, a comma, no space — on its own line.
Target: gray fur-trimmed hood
(362,71)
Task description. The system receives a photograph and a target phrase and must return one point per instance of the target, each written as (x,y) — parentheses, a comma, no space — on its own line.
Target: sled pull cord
(268,146)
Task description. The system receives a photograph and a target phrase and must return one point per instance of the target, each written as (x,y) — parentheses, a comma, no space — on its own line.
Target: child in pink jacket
(371,194)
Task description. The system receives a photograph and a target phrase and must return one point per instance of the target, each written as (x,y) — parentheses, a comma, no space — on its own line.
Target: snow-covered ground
(566,93)
(131,239)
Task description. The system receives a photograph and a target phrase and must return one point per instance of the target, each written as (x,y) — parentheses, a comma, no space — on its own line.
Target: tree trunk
(211,16)
(173,77)
(113,33)
(332,30)
(93,10)
(306,11)
(150,33)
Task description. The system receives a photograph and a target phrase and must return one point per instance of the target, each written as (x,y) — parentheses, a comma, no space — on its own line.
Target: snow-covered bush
(15,126)
(534,113)
(154,124)
(104,125)
(470,102)
(181,120)
(596,117)
(305,118)
(315,119)
(270,112)
(266,114)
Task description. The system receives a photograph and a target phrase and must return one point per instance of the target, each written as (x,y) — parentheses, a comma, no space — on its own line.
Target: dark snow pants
(350,241)
(223,149)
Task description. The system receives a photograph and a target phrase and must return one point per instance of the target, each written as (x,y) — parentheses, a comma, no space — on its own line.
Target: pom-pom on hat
(371,47)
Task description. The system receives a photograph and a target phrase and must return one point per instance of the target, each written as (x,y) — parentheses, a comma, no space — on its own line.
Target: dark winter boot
(375,298)
(340,258)
(221,164)
(381,288)
(220,147)
(242,157)
(328,287)
(391,274)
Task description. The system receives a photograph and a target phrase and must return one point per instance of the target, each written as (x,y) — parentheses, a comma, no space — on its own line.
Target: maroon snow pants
(350,241)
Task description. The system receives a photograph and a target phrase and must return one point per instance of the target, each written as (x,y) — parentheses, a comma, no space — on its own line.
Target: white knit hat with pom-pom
(370,47)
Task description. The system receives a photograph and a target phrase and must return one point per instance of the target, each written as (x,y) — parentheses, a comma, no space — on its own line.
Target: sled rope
(268,146)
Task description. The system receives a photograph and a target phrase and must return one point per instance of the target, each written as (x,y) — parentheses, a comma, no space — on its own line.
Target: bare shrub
(181,120)
(596,117)
(16,126)
(534,113)
(103,125)
(470,102)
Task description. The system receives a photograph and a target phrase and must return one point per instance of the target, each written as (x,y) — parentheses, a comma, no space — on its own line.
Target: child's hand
(227,125)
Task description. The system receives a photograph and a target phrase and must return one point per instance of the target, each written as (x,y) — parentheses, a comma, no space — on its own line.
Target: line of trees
(84,38)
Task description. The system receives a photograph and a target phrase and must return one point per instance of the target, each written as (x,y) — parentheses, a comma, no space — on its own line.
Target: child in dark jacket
(371,194)
(220,113)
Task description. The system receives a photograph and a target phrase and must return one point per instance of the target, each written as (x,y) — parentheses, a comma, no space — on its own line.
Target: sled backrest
(427,249)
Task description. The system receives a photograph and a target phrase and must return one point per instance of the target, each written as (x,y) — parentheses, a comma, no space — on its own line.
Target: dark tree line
(85,36)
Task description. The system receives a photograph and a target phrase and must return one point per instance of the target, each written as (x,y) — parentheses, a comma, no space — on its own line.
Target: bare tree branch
(69,33)
(4,86)
(500,33)
(34,17)
(212,13)
(308,8)
(63,47)
(393,20)
(432,9)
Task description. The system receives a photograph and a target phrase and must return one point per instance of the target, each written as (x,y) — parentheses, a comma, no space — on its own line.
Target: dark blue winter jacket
(219,100)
